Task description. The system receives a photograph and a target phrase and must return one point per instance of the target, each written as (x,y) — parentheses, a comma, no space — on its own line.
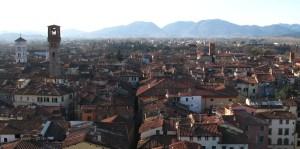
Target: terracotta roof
(32,126)
(21,145)
(75,138)
(115,119)
(161,86)
(216,92)
(265,78)
(277,115)
(199,130)
(249,80)
(151,124)
(44,89)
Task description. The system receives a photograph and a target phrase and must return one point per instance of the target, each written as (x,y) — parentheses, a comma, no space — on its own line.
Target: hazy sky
(89,15)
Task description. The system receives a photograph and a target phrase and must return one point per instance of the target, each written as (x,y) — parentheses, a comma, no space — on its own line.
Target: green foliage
(286,92)
(256,52)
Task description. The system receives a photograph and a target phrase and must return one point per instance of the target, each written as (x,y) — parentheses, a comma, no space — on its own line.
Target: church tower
(21,50)
(54,43)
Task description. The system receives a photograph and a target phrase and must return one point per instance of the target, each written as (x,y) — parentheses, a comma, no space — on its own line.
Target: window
(206,137)
(270,131)
(286,131)
(39,99)
(230,100)
(54,100)
(269,141)
(286,141)
(62,98)
(213,138)
(5,140)
(223,147)
(199,138)
(241,147)
(157,132)
(231,147)
(261,139)
(253,91)
(262,128)
(280,121)
(211,99)
(287,122)
(204,147)
(279,141)
(27,98)
(89,118)
(280,131)
(213,147)
(186,99)
(17,136)
(191,138)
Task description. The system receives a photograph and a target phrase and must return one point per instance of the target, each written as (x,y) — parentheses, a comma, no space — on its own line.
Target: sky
(91,15)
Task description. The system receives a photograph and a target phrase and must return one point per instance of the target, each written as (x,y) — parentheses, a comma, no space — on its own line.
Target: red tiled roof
(199,130)
(75,138)
(265,77)
(277,115)
(151,124)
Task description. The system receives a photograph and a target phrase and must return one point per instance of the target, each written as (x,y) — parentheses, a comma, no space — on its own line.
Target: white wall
(250,87)
(133,80)
(10,137)
(151,132)
(233,146)
(193,102)
(63,100)
(209,143)
(275,125)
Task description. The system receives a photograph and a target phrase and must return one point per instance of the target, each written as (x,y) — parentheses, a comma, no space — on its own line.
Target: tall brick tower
(54,43)
(211,49)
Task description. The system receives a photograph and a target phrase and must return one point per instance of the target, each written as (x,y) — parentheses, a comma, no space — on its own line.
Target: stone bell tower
(21,50)
(54,43)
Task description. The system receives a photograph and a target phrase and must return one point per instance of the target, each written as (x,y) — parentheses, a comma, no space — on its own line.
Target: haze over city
(90,15)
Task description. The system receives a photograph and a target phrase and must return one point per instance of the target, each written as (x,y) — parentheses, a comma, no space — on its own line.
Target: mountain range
(213,28)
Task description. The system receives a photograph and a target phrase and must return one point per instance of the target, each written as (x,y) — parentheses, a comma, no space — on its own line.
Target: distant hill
(136,29)
(213,28)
